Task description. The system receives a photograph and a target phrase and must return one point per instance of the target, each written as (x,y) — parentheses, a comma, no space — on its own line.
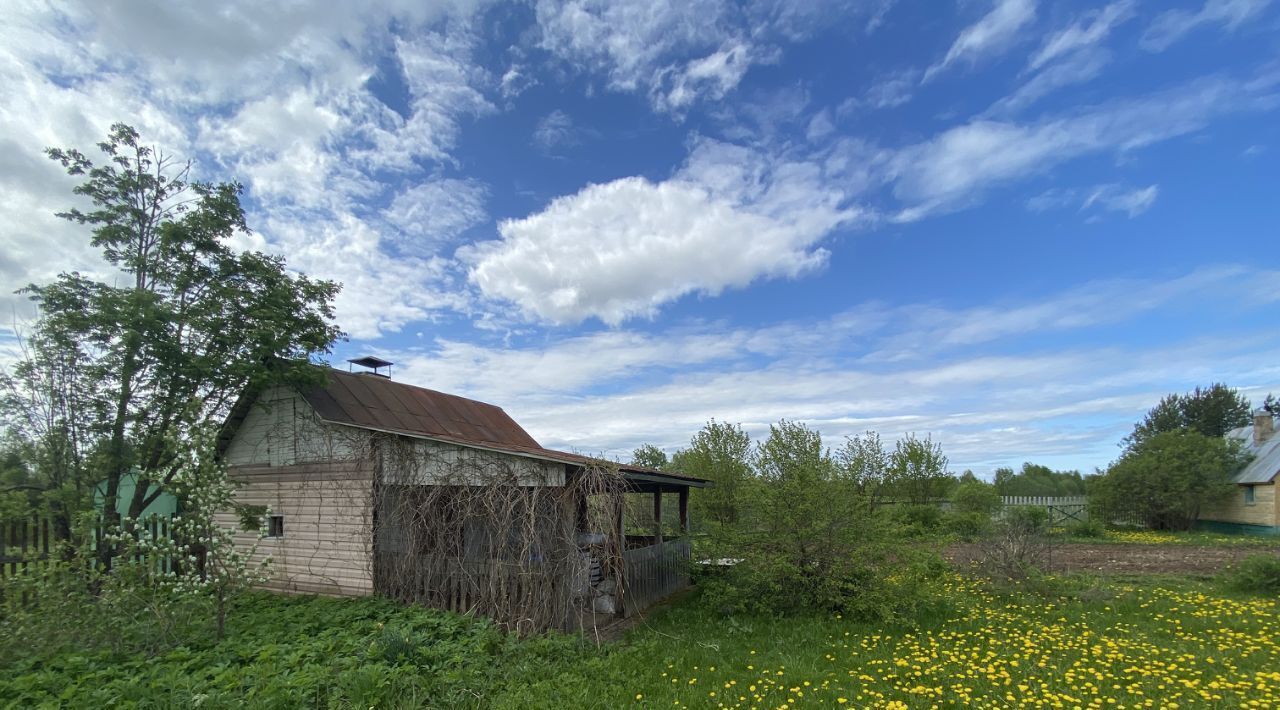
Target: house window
(1248,495)
(275,526)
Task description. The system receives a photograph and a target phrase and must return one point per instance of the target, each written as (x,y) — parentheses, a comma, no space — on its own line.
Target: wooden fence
(653,572)
(23,542)
(1062,510)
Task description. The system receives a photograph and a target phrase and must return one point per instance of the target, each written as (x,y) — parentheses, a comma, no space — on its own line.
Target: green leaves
(1211,411)
(194,324)
(1167,478)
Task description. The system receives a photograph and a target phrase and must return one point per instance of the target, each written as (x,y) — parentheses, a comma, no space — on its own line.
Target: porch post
(657,516)
(684,510)
(620,537)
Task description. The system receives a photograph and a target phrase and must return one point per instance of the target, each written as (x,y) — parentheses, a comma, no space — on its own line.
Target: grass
(1074,642)
(1201,538)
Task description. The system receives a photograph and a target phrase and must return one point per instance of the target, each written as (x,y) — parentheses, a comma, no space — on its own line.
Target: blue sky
(1012,225)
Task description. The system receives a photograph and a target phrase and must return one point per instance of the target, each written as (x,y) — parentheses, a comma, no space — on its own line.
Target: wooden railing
(653,572)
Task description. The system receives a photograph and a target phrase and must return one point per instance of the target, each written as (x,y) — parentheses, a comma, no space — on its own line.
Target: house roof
(380,404)
(1266,458)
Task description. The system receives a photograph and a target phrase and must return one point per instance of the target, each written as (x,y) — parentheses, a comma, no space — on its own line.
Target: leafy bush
(808,542)
(1256,574)
(1091,529)
(1166,479)
(976,497)
(916,519)
(967,526)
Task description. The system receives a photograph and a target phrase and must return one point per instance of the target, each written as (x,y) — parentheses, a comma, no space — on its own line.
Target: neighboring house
(379,487)
(1253,507)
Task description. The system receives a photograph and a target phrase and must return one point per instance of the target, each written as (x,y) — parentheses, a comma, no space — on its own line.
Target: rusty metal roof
(378,403)
(372,402)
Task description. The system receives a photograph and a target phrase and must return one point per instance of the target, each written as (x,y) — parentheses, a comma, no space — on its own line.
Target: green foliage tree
(1168,477)
(976,497)
(1211,411)
(721,453)
(1038,480)
(863,461)
(193,325)
(918,470)
(807,541)
(650,456)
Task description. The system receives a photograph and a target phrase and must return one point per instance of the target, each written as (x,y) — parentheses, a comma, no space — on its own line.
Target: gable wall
(1264,511)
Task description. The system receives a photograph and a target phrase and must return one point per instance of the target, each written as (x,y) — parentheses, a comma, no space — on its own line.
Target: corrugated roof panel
(1265,463)
(362,400)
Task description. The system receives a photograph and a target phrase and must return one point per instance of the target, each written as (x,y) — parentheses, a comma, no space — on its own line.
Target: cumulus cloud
(1172,25)
(621,249)
(996,31)
(274,95)
(681,52)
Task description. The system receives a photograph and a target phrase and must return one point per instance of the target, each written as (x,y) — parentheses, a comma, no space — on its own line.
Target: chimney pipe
(1264,427)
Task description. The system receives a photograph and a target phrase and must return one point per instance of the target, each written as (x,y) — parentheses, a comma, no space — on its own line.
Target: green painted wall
(1237,528)
(165,505)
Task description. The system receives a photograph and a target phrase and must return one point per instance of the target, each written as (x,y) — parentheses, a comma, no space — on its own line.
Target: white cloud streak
(1087,31)
(1172,25)
(996,31)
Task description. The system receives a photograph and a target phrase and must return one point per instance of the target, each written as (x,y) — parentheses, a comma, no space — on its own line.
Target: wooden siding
(433,462)
(1264,510)
(281,429)
(327,546)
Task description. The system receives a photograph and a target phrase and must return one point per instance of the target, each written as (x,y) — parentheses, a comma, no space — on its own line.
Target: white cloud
(993,33)
(1078,68)
(1119,199)
(621,249)
(1109,198)
(1173,25)
(682,52)
(431,214)
(1090,29)
(554,130)
(976,377)
(669,49)
(275,95)
(961,162)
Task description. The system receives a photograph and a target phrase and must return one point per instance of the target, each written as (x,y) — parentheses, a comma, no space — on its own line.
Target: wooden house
(372,486)
(1253,507)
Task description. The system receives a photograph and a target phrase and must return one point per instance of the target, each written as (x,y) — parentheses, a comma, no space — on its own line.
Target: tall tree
(720,452)
(193,324)
(863,460)
(650,456)
(1211,411)
(918,470)
(1168,478)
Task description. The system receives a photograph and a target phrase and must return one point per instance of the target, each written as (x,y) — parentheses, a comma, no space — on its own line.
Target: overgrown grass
(1076,641)
(1156,537)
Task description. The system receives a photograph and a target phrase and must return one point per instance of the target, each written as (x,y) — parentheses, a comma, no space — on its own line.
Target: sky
(1009,225)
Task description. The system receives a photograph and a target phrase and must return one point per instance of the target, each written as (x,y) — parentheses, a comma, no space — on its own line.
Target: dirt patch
(1129,559)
